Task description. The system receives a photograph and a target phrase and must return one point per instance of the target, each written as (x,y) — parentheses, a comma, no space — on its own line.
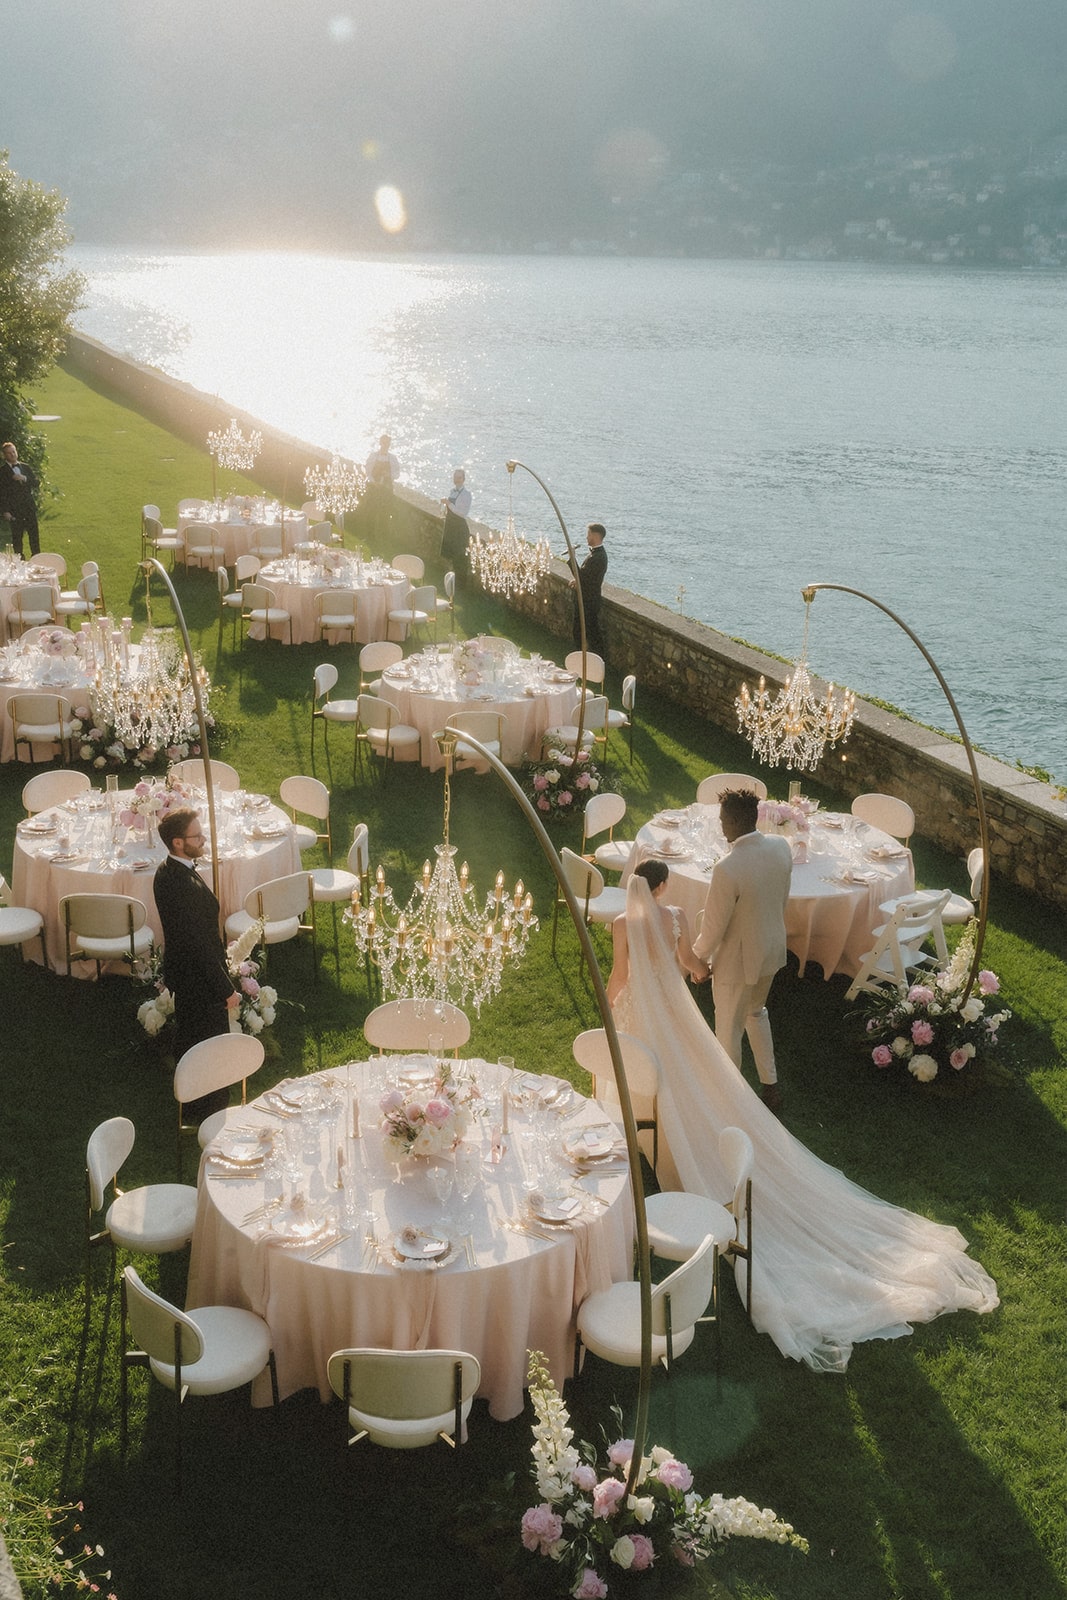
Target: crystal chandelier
(335,489)
(508,564)
(441,946)
(145,694)
(230,448)
(795,726)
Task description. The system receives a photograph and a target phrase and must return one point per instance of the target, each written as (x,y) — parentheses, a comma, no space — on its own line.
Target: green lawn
(931,1470)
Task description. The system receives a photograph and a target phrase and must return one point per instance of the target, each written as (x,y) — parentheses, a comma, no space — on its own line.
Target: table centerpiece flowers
(930,1027)
(588,1524)
(417,1123)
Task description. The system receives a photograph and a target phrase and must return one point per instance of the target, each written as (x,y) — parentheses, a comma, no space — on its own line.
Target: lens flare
(389,204)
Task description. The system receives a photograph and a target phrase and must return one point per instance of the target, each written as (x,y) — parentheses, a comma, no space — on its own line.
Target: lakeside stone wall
(687,662)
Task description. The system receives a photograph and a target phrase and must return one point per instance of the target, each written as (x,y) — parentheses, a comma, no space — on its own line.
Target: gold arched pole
(573,560)
(808,593)
(447,744)
(148,566)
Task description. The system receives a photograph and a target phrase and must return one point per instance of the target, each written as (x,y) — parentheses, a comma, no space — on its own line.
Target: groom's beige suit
(742,938)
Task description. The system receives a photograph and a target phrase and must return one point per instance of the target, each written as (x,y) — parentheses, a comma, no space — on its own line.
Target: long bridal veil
(832,1264)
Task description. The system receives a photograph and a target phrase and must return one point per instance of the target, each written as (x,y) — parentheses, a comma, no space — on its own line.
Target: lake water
(742,428)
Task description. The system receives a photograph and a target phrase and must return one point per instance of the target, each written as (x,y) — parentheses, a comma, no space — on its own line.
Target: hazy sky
(248,119)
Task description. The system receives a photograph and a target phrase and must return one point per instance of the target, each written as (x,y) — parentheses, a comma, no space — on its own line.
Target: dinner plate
(557,1211)
(243,1149)
(140,866)
(591,1144)
(413,1244)
(269,830)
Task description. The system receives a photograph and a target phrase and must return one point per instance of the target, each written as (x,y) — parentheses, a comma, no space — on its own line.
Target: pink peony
(438,1112)
(644,1552)
(543,804)
(582,781)
(584,1477)
(565,798)
(620,1453)
(391,1101)
(920,995)
(589,1586)
(540,782)
(250,987)
(988,982)
(958,1059)
(675,1474)
(606,1497)
(541,1528)
(922,1033)
(881,1055)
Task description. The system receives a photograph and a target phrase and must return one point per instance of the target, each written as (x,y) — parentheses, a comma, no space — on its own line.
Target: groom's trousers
(741,1008)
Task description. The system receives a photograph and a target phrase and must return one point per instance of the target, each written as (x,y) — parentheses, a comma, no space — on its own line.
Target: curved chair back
(325,678)
(52,788)
(413,567)
(377,656)
(594,665)
(602,812)
(109,1146)
(407,1025)
(389,1392)
(245,568)
(975,866)
(308,795)
(191,771)
(886,811)
(102,916)
(50,559)
(158,1327)
(629,693)
(715,785)
(359,852)
(590,1050)
(585,879)
(280,899)
(684,1296)
(217,1064)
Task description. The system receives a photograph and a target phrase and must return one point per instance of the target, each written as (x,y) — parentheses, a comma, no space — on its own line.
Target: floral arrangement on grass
(589,1525)
(423,1124)
(258,1001)
(560,785)
(930,1026)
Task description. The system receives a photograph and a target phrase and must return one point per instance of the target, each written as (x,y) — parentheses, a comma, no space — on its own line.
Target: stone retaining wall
(685,661)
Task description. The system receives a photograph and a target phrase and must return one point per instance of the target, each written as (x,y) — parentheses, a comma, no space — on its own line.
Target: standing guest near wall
(18,500)
(383,469)
(591,576)
(194,956)
(457,510)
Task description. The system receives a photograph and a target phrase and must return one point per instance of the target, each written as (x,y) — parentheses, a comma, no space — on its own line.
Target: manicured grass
(930,1470)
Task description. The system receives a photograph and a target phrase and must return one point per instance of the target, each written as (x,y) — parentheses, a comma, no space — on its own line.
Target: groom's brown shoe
(772,1097)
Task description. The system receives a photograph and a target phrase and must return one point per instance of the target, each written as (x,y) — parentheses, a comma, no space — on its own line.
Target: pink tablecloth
(40,881)
(529,709)
(522,1294)
(828,920)
(297,585)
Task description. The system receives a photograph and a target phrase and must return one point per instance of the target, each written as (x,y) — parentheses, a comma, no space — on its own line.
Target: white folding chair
(404,1399)
(598,902)
(897,947)
(715,785)
(887,812)
(407,1024)
(210,1351)
(609,1322)
(105,927)
(642,1069)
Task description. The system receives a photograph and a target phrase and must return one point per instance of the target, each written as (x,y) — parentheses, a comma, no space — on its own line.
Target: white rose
(594,785)
(152,1022)
(553,776)
(622,1552)
(267,995)
(901,1046)
(99,762)
(86,752)
(268,1014)
(642,1506)
(972,1010)
(253,1022)
(924,1068)
(165,1003)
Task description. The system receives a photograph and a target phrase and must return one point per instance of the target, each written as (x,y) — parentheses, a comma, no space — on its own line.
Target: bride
(833,1263)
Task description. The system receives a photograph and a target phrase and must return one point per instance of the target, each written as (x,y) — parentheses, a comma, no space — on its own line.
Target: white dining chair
(598,902)
(886,811)
(418,610)
(53,561)
(487,727)
(641,1067)
(42,718)
(192,772)
(155,1219)
(376,658)
(334,886)
(336,612)
(617,720)
(47,789)
(308,797)
(285,907)
(19,925)
(210,1350)
(603,811)
(201,545)
(413,567)
(407,1024)
(711,789)
(105,927)
(85,600)
(259,608)
(405,1399)
(325,710)
(156,540)
(609,1322)
(207,1067)
(382,731)
(33,606)
(594,728)
(594,667)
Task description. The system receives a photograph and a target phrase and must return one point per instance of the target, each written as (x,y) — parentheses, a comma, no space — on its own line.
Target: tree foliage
(38,296)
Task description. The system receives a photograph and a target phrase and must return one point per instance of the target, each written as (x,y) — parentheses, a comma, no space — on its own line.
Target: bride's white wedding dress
(832,1264)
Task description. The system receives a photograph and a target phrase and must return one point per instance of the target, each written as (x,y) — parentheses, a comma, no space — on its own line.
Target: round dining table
(297,583)
(531,694)
(843,872)
(304,1219)
(80,847)
(238,523)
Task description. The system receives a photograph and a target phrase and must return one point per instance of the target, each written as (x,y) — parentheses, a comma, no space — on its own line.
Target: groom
(742,935)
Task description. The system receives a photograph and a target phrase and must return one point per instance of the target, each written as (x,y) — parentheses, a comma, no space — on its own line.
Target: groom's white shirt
(742,935)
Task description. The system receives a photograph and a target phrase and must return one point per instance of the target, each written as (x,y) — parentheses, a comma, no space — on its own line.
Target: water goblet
(441,1176)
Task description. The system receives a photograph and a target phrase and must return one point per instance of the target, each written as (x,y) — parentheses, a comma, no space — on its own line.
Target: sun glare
(389,204)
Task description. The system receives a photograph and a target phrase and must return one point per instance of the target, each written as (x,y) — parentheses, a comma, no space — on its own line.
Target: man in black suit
(18,502)
(194,956)
(591,575)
